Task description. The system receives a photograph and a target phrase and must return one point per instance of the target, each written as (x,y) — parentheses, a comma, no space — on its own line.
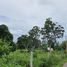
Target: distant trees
(63,45)
(5,34)
(22,42)
(7,37)
(51,32)
(29,41)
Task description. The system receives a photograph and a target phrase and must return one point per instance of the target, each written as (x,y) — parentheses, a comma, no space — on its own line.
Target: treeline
(36,38)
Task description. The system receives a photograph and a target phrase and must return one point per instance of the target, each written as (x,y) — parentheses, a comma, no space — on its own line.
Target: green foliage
(22,42)
(7,38)
(33,40)
(44,47)
(29,41)
(44,59)
(15,59)
(63,45)
(5,35)
(13,45)
(5,48)
(34,32)
(21,58)
(51,31)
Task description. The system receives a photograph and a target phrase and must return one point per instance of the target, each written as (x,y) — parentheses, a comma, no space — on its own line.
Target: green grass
(41,59)
(61,63)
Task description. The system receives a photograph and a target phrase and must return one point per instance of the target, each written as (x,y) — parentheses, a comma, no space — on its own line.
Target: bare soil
(65,65)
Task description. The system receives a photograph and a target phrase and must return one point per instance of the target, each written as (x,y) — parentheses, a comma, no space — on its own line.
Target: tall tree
(51,32)
(34,37)
(30,42)
(33,41)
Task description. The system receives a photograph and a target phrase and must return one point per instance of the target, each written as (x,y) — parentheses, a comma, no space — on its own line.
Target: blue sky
(21,15)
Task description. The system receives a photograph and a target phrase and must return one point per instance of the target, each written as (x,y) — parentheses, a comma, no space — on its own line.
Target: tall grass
(41,59)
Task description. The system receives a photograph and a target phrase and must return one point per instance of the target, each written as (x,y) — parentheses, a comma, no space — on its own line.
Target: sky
(21,15)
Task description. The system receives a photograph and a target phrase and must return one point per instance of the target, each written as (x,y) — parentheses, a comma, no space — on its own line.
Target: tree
(51,32)
(34,37)
(33,41)
(13,45)
(22,42)
(5,34)
(28,41)
(63,45)
(34,32)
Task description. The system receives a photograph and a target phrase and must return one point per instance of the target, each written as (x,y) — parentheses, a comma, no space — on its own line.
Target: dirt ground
(65,65)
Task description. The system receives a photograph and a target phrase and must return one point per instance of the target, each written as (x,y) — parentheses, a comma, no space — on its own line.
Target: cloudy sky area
(21,15)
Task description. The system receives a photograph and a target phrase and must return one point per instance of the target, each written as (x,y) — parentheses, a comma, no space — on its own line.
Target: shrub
(4,48)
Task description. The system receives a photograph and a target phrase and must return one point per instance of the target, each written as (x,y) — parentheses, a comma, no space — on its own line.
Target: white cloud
(23,14)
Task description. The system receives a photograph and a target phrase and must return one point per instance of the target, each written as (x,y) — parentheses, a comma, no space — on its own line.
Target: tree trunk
(31,58)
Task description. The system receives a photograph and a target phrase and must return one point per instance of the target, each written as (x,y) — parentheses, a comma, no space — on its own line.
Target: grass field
(40,59)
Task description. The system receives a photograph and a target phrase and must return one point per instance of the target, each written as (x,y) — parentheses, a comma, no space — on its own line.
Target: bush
(4,48)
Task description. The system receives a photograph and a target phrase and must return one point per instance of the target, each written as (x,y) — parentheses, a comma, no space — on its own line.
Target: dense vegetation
(37,41)
(20,58)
